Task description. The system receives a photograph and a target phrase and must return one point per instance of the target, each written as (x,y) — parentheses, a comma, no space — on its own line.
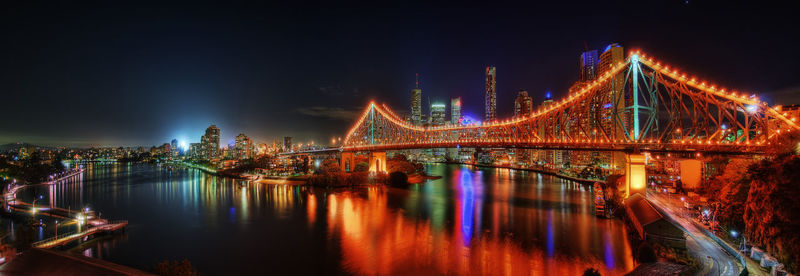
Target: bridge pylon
(347,162)
(635,174)
(377,161)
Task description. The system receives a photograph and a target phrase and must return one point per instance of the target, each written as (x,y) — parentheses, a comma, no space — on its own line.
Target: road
(715,260)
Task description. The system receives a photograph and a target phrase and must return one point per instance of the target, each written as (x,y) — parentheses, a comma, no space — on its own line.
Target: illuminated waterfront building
(416,104)
(588,66)
(287,144)
(491,94)
(210,143)
(243,148)
(174,145)
(613,118)
(523,105)
(455,110)
(438,116)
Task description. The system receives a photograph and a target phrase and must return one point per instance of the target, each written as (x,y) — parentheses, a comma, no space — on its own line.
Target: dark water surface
(471,221)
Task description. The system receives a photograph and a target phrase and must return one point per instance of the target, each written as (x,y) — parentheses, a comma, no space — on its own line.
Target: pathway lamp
(33,208)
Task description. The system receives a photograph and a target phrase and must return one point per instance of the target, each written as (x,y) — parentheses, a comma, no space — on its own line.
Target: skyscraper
(491,94)
(210,142)
(287,144)
(523,105)
(438,116)
(455,110)
(174,147)
(613,118)
(588,65)
(243,148)
(416,104)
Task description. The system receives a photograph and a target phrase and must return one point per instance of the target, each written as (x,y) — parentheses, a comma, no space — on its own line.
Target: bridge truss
(636,105)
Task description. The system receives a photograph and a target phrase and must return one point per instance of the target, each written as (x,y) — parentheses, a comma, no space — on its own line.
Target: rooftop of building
(642,210)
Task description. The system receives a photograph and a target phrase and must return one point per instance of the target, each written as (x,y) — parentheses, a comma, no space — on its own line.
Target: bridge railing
(51,239)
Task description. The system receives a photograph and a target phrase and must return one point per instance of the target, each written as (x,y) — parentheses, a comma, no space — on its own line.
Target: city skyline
(189,84)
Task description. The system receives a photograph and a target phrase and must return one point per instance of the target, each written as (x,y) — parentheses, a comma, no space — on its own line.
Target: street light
(33,208)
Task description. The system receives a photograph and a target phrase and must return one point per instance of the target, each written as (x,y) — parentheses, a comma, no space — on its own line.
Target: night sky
(111,73)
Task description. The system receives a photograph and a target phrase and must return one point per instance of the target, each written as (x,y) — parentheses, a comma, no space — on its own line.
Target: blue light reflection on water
(467,204)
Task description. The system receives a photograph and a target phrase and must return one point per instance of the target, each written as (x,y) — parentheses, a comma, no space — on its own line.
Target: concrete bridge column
(635,175)
(377,161)
(347,161)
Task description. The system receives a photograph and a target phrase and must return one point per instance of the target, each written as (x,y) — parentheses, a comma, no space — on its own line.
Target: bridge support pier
(347,161)
(635,175)
(377,161)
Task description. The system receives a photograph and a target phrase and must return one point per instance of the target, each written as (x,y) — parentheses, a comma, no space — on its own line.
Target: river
(471,221)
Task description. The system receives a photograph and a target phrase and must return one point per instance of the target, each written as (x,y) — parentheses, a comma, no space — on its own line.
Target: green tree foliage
(771,215)
(175,268)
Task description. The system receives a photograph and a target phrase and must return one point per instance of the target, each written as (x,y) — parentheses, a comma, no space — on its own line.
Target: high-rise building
(613,118)
(174,145)
(243,148)
(438,116)
(210,142)
(523,105)
(551,158)
(416,104)
(455,110)
(491,94)
(287,144)
(588,65)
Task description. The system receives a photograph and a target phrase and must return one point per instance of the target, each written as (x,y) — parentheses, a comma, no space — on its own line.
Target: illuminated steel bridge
(636,105)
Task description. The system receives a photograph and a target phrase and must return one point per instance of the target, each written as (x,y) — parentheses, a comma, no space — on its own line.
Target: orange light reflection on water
(377,239)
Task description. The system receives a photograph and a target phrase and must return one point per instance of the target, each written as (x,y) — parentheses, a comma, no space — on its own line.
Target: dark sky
(114,73)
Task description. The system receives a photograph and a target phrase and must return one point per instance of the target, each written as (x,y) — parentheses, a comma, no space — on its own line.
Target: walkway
(64,239)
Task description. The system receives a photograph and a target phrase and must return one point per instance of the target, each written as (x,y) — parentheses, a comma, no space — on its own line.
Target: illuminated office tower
(416,104)
(491,94)
(287,144)
(588,65)
(438,116)
(523,105)
(455,110)
(613,118)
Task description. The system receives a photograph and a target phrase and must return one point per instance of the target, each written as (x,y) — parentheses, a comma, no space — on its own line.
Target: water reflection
(560,238)
(472,221)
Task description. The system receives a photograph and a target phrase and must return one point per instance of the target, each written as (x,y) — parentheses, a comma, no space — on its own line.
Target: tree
(175,268)
(591,272)
(771,217)
(398,179)
(330,165)
(646,253)
(399,163)
(361,167)
(731,188)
